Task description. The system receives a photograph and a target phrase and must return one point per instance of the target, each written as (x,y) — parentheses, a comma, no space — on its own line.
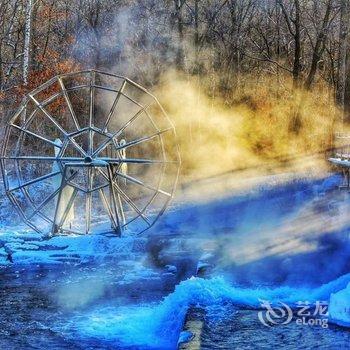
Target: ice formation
(339,307)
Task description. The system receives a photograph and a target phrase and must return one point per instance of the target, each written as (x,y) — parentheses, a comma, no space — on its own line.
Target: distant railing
(342,145)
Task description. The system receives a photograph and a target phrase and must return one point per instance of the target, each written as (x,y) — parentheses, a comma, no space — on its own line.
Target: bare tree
(320,44)
(228,39)
(27,41)
(180,32)
(343,47)
(293,22)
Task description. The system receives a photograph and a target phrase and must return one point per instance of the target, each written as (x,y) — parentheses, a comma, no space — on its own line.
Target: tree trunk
(343,45)
(235,40)
(294,27)
(196,35)
(319,47)
(297,46)
(180,30)
(27,35)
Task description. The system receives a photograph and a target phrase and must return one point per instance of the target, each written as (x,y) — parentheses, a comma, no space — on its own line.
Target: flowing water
(34,316)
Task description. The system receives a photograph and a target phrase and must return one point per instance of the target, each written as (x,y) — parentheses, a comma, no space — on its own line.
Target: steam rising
(289,232)
(265,125)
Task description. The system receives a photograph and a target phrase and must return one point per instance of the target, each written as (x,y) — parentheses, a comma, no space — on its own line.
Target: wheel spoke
(75,133)
(115,102)
(117,133)
(105,159)
(136,160)
(91,111)
(48,115)
(58,126)
(138,182)
(69,103)
(120,204)
(67,159)
(44,202)
(31,202)
(88,200)
(142,139)
(51,196)
(108,208)
(38,179)
(37,136)
(126,198)
(16,204)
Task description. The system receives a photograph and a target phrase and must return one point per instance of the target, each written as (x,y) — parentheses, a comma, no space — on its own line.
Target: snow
(340,161)
(339,307)
(80,249)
